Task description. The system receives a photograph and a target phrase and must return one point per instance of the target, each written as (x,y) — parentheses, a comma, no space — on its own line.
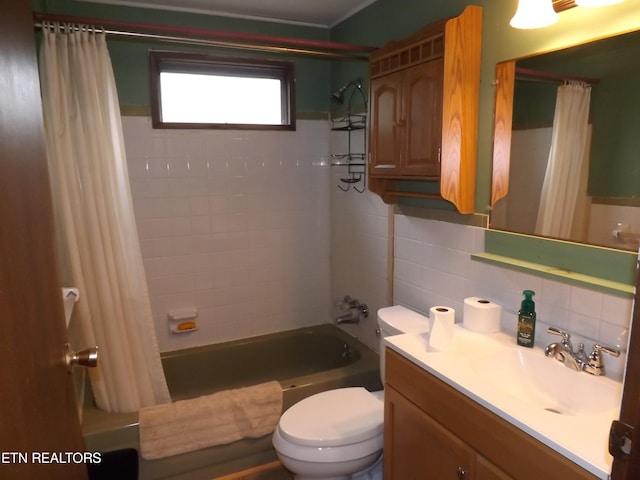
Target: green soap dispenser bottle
(527,320)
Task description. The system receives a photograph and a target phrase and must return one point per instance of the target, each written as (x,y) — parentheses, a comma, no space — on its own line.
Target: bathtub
(305,361)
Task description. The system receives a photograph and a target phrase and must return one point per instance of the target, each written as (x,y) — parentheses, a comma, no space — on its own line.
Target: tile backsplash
(433,267)
(234,223)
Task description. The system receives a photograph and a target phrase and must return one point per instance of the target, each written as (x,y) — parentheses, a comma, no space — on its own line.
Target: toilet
(337,434)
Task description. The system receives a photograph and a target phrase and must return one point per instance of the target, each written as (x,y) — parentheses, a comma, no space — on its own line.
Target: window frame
(189,62)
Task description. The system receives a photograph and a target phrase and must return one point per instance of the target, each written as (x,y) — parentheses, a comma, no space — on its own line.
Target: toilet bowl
(337,434)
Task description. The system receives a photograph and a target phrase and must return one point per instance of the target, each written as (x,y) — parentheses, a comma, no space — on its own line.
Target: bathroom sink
(546,384)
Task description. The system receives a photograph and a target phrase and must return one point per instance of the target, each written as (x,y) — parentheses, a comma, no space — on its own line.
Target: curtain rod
(555,77)
(217,38)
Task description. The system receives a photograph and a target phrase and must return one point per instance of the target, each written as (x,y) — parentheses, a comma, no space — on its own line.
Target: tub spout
(348,318)
(356,310)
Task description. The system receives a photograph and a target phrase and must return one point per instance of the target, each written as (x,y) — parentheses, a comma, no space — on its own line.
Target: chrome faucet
(577,360)
(355,310)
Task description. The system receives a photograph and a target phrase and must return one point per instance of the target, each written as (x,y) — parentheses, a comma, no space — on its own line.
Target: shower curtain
(95,224)
(563,202)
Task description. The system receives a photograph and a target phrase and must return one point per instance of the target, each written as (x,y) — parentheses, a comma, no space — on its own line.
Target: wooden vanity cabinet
(417,447)
(423,115)
(434,432)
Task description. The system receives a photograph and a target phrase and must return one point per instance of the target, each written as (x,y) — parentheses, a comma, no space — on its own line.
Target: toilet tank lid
(398,319)
(334,418)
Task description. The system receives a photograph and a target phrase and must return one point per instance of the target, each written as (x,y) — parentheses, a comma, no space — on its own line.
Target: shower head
(338,95)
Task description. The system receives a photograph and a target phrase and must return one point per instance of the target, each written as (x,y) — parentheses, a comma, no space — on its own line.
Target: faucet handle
(557,331)
(594,365)
(344,304)
(611,351)
(566,337)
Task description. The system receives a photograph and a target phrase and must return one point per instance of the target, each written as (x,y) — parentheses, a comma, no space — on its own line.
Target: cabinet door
(422,113)
(485,470)
(416,447)
(386,125)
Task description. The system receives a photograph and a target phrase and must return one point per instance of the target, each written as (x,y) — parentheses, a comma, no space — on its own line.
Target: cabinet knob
(462,473)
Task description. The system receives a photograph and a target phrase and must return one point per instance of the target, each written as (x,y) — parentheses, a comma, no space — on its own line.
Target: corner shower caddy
(354,161)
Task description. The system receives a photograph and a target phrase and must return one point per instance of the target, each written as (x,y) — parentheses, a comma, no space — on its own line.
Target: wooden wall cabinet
(424,94)
(432,431)
(405,134)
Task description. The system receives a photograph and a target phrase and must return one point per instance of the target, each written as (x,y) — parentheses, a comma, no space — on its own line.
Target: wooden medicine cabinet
(424,111)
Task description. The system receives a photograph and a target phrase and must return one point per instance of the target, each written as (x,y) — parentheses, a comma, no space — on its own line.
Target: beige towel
(216,419)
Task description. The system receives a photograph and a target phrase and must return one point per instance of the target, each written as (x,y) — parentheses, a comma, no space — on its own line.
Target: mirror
(601,206)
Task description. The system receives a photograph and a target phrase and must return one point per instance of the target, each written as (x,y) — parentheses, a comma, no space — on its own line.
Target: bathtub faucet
(354,310)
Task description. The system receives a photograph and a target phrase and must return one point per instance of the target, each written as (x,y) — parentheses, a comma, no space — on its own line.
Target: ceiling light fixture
(535,14)
(597,3)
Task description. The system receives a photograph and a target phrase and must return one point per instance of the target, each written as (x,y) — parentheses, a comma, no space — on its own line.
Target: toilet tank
(396,320)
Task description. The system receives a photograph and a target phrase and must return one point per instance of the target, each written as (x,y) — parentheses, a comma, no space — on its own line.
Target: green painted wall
(534,104)
(129,57)
(615,103)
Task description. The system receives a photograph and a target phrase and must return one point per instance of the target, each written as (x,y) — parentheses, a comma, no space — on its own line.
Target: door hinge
(620,437)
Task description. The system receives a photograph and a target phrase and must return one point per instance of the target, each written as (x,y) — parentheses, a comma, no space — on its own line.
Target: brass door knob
(85,358)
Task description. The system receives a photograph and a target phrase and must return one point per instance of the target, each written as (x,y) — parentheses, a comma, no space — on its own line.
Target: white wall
(518,211)
(233,223)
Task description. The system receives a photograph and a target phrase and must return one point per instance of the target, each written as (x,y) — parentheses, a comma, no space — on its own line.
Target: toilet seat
(370,448)
(334,418)
(336,427)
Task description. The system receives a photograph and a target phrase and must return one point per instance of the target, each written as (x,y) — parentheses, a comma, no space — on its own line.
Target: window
(190,90)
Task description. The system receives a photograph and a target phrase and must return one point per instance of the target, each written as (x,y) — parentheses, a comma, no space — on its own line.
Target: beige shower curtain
(563,202)
(97,237)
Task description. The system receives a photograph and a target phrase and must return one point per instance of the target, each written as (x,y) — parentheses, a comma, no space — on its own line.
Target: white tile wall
(233,223)
(433,267)
(252,229)
(359,243)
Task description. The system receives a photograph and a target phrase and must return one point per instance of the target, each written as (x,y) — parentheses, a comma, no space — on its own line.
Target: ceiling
(320,13)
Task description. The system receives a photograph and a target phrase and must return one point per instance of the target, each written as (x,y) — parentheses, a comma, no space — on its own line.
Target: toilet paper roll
(481,316)
(441,321)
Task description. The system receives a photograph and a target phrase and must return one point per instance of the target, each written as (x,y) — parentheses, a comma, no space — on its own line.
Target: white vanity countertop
(581,437)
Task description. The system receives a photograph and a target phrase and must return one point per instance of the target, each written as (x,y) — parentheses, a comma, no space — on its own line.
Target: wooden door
(386,125)
(416,447)
(627,467)
(422,104)
(38,411)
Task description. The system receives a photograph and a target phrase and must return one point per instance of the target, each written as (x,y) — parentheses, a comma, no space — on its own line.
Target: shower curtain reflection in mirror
(564,205)
(95,225)
(549,172)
